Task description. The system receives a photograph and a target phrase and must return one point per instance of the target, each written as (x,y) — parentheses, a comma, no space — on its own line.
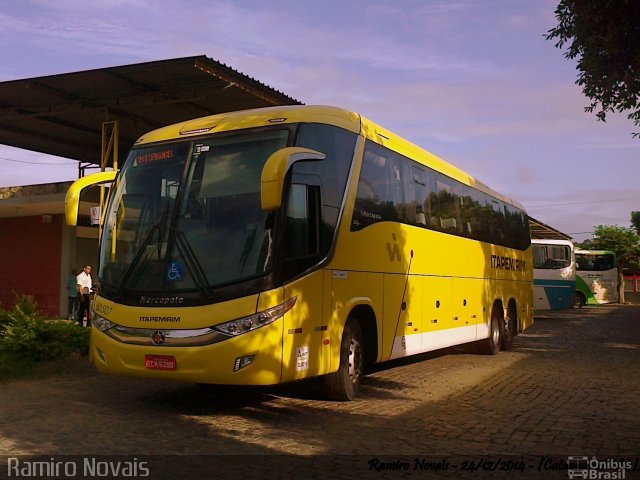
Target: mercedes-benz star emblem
(158,337)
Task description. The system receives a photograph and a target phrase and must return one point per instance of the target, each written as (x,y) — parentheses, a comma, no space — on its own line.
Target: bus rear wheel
(510,327)
(345,383)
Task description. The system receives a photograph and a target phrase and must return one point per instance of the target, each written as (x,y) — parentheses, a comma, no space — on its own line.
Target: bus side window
(472,207)
(337,145)
(539,256)
(447,207)
(497,222)
(415,188)
(380,194)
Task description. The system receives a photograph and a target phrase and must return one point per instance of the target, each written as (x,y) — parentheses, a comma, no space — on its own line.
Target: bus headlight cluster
(260,319)
(101,323)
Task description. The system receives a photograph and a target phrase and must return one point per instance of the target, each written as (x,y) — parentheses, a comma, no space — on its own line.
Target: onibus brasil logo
(592,468)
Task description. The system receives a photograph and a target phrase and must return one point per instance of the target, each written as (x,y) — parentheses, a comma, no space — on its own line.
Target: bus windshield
(595,262)
(186,216)
(551,257)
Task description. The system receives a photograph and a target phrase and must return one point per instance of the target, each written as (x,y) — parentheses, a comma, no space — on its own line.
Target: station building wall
(37,255)
(30,260)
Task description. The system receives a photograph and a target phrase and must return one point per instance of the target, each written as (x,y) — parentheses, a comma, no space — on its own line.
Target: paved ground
(570,387)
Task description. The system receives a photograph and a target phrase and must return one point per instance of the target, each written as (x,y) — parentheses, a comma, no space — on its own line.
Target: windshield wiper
(136,259)
(193,265)
(143,247)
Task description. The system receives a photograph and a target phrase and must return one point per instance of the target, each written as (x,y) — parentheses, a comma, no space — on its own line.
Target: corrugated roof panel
(541,230)
(63,114)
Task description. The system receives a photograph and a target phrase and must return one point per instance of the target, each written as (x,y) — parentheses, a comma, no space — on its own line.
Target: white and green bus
(596,277)
(554,274)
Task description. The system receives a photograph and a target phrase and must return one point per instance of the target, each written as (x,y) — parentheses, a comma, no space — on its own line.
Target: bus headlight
(101,323)
(260,319)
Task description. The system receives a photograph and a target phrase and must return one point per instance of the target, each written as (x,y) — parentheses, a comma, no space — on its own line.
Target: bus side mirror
(72,199)
(276,168)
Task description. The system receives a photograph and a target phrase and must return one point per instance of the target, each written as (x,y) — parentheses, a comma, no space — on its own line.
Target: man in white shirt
(84,284)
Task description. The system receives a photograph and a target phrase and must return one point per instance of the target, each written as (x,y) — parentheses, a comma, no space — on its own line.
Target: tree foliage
(635,221)
(624,242)
(604,37)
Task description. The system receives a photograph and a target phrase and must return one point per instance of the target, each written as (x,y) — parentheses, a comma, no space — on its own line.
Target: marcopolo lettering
(161,300)
(507,263)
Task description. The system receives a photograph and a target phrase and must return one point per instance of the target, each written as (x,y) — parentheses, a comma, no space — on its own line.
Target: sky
(472,81)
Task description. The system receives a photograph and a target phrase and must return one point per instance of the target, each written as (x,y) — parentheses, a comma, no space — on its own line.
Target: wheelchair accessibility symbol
(174,272)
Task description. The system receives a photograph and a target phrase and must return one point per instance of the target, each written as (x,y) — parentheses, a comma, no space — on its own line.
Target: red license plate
(160,362)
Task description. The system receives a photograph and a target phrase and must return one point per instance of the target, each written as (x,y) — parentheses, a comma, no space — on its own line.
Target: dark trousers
(73,307)
(83,311)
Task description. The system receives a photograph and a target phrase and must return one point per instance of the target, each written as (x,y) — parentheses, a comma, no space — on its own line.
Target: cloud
(526,174)
(79,28)
(472,81)
(579,209)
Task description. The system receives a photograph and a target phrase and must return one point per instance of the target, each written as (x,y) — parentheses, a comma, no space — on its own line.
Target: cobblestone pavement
(570,387)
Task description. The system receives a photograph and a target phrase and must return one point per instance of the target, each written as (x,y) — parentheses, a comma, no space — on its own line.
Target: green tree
(604,37)
(635,221)
(586,245)
(625,243)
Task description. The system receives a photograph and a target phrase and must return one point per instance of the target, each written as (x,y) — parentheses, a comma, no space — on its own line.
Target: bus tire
(510,327)
(579,301)
(491,345)
(345,383)
(508,333)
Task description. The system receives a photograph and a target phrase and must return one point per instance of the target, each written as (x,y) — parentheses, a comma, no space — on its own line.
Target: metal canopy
(63,114)
(541,230)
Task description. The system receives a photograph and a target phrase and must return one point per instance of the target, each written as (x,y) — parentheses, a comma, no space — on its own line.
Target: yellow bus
(270,245)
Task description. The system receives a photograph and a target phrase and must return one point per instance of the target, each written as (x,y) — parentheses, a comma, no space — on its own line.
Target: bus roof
(549,241)
(316,114)
(595,252)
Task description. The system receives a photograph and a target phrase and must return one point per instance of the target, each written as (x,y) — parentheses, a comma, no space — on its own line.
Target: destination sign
(145,157)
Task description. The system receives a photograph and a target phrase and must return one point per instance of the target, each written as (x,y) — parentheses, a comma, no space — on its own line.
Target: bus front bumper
(253,358)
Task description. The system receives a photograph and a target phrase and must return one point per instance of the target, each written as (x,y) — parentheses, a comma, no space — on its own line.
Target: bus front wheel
(579,300)
(491,345)
(345,383)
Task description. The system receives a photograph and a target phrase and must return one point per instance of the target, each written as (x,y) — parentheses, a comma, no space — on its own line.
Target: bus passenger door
(304,324)
(303,328)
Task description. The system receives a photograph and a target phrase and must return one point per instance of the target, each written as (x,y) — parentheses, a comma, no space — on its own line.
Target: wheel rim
(495,331)
(355,359)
